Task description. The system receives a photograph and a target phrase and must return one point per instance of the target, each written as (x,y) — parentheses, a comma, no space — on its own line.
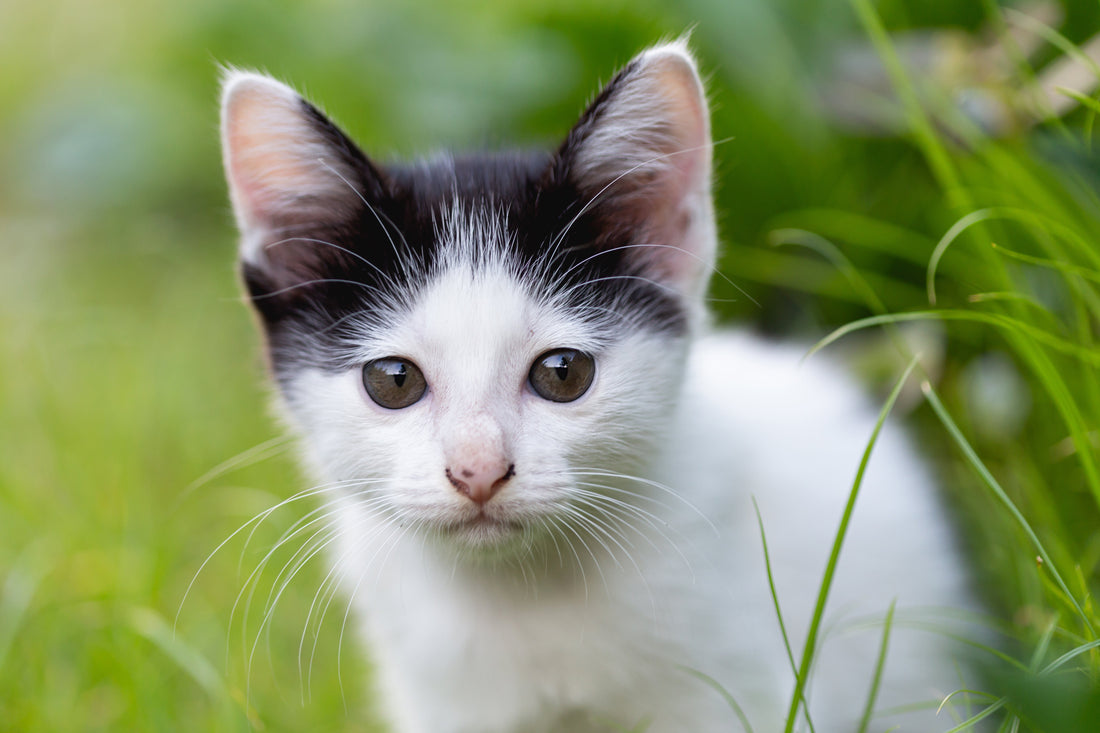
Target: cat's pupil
(562,368)
(399,375)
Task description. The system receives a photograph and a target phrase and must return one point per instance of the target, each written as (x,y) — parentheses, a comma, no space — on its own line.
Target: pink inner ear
(273,155)
(644,149)
(676,84)
(673,198)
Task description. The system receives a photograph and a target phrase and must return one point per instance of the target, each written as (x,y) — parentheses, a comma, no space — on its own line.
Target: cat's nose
(480,480)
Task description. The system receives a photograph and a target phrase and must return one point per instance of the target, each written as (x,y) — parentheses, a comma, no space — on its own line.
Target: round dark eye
(562,375)
(394,382)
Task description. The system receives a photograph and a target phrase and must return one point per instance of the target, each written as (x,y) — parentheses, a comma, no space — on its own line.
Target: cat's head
(479,345)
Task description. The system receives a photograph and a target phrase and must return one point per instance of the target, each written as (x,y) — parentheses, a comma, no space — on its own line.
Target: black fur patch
(356,265)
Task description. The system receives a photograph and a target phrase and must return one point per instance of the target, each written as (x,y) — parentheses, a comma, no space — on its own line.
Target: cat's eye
(394,382)
(562,375)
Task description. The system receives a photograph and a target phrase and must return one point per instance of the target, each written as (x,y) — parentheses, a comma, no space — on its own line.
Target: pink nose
(481,480)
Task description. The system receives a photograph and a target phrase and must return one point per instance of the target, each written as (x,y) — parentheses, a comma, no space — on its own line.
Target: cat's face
(479,347)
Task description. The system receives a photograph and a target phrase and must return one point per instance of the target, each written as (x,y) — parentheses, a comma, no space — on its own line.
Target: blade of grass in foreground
(1088,356)
(995,487)
(1068,656)
(149,624)
(17,593)
(834,556)
(737,710)
(970,722)
(1015,331)
(888,624)
(775,602)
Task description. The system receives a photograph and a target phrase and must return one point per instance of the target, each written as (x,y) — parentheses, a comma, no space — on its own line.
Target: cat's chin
(487,534)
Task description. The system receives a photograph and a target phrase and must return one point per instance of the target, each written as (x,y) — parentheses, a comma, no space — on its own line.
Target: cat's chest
(522,655)
(501,619)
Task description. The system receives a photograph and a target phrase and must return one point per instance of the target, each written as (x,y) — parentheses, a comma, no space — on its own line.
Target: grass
(1054,342)
(129,370)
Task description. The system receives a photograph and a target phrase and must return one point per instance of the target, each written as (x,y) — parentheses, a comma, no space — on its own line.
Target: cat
(543,461)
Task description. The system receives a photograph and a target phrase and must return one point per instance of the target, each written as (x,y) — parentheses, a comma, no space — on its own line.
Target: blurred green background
(134,431)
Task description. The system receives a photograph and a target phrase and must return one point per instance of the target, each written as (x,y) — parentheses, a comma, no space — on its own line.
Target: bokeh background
(134,430)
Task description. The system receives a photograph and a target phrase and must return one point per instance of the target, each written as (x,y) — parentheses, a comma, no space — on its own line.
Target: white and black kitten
(544,463)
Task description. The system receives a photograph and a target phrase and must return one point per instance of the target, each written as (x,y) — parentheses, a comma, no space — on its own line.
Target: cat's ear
(291,172)
(641,155)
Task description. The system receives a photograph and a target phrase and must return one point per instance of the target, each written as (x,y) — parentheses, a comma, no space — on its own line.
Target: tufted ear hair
(292,173)
(641,153)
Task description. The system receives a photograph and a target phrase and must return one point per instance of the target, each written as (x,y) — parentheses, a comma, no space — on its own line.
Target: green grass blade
(771,588)
(1055,385)
(995,487)
(926,138)
(880,663)
(19,589)
(1084,99)
(957,229)
(860,231)
(1052,36)
(969,723)
(1060,266)
(834,555)
(775,602)
(1069,656)
(1089,356)
(150,625)
(1044,644)
(829,251)
(737,710)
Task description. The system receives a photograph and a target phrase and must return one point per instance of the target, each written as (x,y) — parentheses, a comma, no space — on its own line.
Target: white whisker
(366,203)
(253,522)
(345,250)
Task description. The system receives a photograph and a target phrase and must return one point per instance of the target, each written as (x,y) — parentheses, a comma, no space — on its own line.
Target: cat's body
(542,470)
(465,645)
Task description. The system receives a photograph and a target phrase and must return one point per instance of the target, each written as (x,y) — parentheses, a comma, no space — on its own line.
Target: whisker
(656,159)
(318,281)
(595,532)
(258,518)
(317,547)
(299,559)
(650,519)
(714,270)
(592,554)
(250,456)
(345,250)
(332,582)
(614,506)
(641,575)
(334,486)
(603,473)
(606,278)
(366,203)
(390,539)
(557,524)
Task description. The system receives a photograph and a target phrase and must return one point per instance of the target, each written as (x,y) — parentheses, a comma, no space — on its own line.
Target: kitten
(544,463)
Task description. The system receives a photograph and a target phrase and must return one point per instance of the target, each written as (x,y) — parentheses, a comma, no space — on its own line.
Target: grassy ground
(129,370)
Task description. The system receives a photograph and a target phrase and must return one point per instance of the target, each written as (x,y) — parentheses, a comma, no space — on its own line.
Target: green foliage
(129,370)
